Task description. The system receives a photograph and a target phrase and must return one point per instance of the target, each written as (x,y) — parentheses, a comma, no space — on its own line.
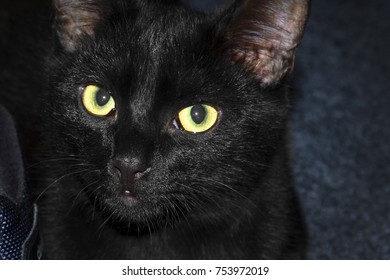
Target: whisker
(223,185)
(177,210)
(217,184)
(148,225)
(57,180)
(106,221)
(205,193)
(94,202)
(87,186)
(53,160)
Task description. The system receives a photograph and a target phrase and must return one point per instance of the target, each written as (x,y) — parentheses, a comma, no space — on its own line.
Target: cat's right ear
(76,19)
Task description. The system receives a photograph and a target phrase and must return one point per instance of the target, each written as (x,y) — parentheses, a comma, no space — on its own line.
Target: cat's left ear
(262,36)
(76,19)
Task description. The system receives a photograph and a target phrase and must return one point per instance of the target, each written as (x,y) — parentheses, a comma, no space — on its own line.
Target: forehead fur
(135,51)
(158,29)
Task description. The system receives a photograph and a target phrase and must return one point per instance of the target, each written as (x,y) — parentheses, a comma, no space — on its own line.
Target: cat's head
(167,112)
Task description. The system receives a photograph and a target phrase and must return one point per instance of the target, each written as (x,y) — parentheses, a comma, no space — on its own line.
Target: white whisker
(57,180)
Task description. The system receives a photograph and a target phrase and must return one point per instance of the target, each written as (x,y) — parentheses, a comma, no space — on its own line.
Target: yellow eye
(198,118)
(97,101)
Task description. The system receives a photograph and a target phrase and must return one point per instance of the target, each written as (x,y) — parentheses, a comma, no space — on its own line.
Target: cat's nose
(129,173)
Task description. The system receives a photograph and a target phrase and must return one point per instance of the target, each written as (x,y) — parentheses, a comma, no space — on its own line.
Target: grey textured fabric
(18,231)
(341,129)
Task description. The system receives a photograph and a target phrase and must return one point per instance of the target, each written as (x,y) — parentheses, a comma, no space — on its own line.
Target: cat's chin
(130,200)
(135,215)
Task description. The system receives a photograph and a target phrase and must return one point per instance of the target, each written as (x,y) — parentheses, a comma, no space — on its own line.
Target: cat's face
(160,124)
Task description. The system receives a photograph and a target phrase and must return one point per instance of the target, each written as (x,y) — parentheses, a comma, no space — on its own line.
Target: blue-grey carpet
(341,129)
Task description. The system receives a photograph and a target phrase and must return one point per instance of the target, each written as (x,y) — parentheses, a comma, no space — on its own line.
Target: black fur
(223,194)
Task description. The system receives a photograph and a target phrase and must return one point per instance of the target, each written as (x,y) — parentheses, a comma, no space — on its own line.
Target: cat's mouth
(139,212)
(135,201)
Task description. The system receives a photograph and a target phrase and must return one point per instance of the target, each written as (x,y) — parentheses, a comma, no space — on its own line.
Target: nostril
(139,174)
(116,168)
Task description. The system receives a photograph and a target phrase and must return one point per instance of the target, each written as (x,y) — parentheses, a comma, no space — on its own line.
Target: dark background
(341,128)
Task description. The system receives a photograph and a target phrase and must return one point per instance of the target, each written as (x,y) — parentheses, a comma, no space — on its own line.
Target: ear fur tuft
(263,36)
(76,19)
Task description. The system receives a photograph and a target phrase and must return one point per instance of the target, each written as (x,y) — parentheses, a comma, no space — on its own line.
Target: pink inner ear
(266,65)
(76,19)
(264,35)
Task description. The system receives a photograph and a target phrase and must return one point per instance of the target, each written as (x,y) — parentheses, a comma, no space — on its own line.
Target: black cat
(162,132)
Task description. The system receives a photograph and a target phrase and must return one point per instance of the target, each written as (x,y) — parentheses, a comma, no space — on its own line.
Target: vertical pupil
(198,114)
(102,97)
